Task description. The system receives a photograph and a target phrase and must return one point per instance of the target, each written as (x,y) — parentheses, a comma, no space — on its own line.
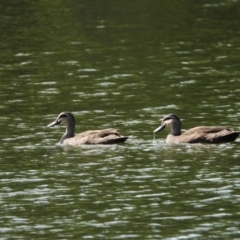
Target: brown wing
(204,130)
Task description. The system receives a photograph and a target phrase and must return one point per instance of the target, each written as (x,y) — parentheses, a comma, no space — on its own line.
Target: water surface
(118,65)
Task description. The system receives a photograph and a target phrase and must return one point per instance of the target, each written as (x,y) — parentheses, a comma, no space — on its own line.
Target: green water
(118,65)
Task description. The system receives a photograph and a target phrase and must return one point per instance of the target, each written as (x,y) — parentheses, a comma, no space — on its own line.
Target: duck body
(201,134)
(204,134)
(105,136)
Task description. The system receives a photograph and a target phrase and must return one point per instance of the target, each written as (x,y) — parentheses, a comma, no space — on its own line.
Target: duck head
(171,121)
(64,118)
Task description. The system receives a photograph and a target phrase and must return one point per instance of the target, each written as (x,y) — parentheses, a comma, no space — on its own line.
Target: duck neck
(69,132)
(176,129)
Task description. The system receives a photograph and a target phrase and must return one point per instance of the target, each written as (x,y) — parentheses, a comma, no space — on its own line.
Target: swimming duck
(105,136)
(201,134)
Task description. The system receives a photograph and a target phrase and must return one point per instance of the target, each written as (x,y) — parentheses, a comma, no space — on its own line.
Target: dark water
(123,65)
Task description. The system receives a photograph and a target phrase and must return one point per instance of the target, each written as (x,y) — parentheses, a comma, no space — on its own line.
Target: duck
(201,134)
(104,136)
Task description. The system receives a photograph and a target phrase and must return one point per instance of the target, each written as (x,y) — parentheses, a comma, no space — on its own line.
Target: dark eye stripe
(167,118)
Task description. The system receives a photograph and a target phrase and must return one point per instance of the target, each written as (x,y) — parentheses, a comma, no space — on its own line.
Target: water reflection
(106,185)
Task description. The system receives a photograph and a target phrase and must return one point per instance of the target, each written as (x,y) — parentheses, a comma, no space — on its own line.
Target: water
(118,65)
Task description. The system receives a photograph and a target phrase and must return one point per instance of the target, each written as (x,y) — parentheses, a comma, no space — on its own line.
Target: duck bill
(54,123)
(160,128)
